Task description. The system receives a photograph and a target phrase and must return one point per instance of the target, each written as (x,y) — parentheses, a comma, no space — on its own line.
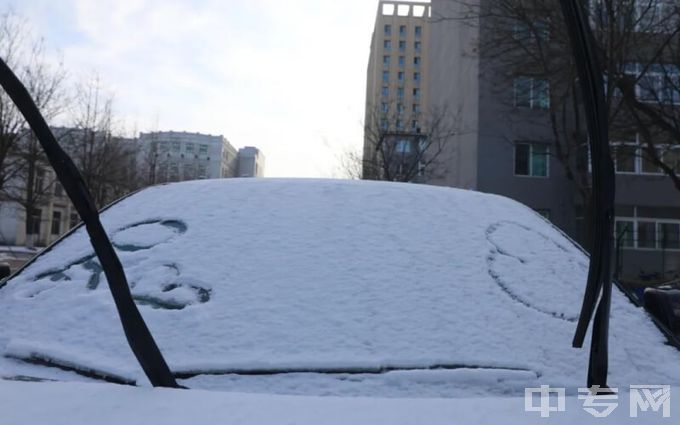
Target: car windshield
(313,286)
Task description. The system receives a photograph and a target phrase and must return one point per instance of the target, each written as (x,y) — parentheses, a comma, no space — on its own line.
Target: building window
(532,92)
(416,61)
(400,92)
(402,30)
(402,61)
(402,46)
(671,157)
(203,149)
(415,108)
(646,234)
(416,76)
(74,219)
(531,159)
(403,146)
(386,60)
(416,94)
(658,83)
(385,107)
(175,146)
(536,30)
(174,171)
(400,108)
(650,16)
(188,171)
(56,222)
(631,157)
(386,76)
(387,45)
(58,189)
(414,125)
(648,166)
(400,76)
(400,124)
(416,46)
(388,30)
(39,180)
(625,158)
(383,124)
(419,31)
(34,221)
(669,235)
(385,91)
(625,235)
(202,171)
(164,147)
(189,148)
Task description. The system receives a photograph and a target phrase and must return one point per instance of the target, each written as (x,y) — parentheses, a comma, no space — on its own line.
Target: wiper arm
(597,298)
(137,333)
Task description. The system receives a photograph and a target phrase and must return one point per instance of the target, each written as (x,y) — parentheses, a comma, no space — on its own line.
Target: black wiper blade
(137,333)
(597,298)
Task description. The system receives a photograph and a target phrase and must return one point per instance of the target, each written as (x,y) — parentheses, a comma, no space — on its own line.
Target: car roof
(325,286)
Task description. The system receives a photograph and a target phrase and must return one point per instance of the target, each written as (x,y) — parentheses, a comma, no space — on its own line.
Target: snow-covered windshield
(324,287)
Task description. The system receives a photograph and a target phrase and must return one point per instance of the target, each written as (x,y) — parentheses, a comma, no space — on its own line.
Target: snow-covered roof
(351,288)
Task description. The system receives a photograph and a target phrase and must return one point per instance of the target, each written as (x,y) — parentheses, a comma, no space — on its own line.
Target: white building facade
(170,156)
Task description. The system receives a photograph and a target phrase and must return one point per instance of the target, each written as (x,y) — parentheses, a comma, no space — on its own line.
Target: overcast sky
(287,76)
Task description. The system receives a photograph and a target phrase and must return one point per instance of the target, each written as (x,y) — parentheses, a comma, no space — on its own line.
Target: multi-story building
(155,157)
(505,143)
(250,162)
(51,216)
(396,88)
(176,156)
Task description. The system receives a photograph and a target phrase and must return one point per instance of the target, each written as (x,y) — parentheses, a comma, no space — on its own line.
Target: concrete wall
(454,82)
(9,223)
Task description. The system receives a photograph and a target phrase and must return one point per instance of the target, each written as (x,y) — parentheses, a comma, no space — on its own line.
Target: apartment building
(396,88)
(505,143)
(170,156)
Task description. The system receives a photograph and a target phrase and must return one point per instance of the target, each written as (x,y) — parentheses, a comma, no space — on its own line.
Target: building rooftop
(405,8)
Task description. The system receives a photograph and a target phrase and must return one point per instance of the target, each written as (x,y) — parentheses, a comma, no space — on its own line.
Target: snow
(419,291)
(75,403)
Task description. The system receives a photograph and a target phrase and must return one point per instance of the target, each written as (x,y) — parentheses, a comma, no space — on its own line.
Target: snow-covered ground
(355,288)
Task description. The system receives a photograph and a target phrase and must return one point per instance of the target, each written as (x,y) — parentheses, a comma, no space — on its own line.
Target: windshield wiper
(597,298)
(137,333)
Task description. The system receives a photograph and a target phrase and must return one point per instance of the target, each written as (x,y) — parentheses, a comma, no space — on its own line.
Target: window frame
(534,102)
(530,161)
(658,222)
(638,164)
(55,225)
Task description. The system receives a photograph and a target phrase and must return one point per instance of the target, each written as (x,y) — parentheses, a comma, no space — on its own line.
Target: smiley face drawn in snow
(159,286)
(522,263)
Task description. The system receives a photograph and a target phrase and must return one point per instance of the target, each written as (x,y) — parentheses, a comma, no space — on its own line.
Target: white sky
(287,76)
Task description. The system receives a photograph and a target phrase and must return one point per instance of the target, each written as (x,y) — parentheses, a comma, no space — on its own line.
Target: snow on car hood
(428,285)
